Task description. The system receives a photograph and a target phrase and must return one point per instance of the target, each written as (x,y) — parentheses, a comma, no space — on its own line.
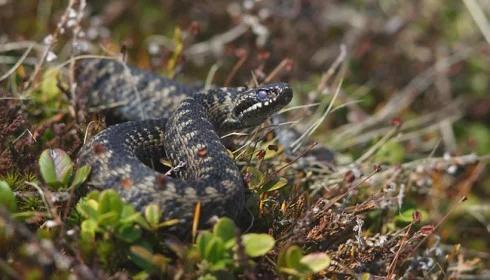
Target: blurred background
(422,63)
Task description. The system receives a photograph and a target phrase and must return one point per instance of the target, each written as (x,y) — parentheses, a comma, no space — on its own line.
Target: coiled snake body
(172,120)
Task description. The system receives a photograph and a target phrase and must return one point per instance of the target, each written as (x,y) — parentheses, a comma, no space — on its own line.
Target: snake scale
(167,119)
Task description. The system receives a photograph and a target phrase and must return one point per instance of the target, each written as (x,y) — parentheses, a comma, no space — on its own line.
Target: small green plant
(16,180)
(47,99)
(7,197)
(218,248)
(105,213)
(260,183)
(112,227)
(57,170)
(293,262)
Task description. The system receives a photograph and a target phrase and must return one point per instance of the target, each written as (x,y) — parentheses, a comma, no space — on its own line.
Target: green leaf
(169,223)
(88,208)
(365,276)
(406,216)
(109,201)
(138,219)
(153,215)
(129,233)
(160,261)
(221,264)
(226,230)
(292,271)
(316,262)
(257,177)
(49,87)
(142,275)
(207,277)
(81,176)
(202,241)
(88,229)
(93,195)
(215,251)
(56,168)
(281,258)
(24,215)
(7,197)
(129,215)
(290,262)
(141,256)
(293,257)
(276,184)
(110,219)
(271,153)
(257,244)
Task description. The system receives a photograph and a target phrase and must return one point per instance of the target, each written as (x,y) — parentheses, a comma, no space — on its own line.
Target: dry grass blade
(314,126)
(374,148)
(17,64)
(479,17)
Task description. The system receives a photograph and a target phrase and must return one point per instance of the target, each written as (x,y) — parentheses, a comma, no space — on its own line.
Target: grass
(402,104)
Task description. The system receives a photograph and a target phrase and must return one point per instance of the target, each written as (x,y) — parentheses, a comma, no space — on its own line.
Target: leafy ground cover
(387,178)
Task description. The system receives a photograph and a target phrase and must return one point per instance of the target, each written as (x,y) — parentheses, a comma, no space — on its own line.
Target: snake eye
(262,95)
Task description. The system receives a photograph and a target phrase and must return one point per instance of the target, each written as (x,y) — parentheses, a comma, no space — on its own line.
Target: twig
(22,134)
(391,268)
(299,107)
(19,62)
(433,163)
(278,69)
(132,82)
(427,163)
(479,17)
(216,43)
(12,46)
(85,135)
(76,23)
(79,57)
(14,98)
(51,40)
(331,70)
(210,76)
(43,197)
(174,169)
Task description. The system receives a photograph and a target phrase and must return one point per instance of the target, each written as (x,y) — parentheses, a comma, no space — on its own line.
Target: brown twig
(242,55)
(280,67)
(52,39)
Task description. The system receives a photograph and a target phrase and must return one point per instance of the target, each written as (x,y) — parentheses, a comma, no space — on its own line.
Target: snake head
(253,106)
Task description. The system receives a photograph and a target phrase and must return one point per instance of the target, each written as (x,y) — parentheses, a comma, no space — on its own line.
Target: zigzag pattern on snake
(170,120)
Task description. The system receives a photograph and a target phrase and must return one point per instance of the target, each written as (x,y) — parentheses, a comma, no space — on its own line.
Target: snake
(164,118)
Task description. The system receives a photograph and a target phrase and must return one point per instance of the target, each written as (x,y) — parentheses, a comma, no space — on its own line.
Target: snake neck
(217,105)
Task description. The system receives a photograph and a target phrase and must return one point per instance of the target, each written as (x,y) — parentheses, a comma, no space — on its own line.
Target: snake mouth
(247,106)
(256,105)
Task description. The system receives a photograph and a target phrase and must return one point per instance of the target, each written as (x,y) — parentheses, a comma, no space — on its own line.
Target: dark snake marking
(174,121)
